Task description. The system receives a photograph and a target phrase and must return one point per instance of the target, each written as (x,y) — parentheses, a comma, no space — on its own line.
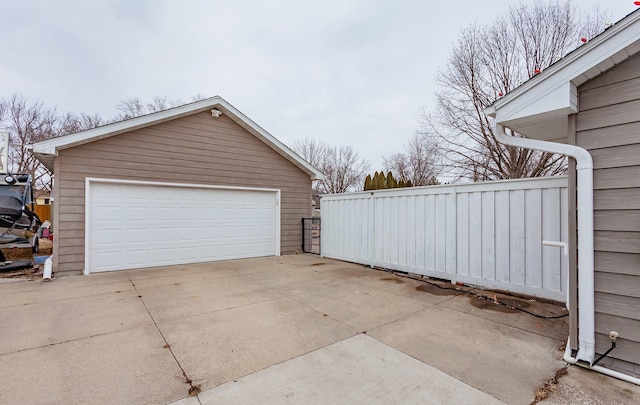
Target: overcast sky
(346,72)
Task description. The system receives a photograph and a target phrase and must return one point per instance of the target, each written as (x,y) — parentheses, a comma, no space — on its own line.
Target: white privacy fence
(487,234)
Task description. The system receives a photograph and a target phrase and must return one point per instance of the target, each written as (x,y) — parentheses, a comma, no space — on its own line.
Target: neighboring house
(591,98)
(195,183)
(43,200)
(43,206)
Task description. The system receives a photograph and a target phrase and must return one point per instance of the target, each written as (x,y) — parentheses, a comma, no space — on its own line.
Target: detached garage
(196,183)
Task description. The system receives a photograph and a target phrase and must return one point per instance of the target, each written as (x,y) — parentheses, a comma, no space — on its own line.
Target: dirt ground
(46,249)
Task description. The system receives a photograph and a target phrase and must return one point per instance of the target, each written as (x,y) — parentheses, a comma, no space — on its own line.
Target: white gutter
(584,169)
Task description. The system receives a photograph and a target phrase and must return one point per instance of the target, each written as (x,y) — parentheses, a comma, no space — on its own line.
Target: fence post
(454,237)
(372,233)
(303,235)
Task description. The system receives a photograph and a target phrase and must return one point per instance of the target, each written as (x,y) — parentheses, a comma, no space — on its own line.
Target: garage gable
(215,106)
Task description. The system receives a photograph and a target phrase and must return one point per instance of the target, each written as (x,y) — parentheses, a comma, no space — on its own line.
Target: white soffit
(548,127)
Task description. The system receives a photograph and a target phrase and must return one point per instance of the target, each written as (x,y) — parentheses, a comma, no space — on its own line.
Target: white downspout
(584,169)
(48,269)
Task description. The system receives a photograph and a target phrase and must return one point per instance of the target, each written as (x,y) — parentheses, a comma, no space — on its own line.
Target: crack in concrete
(193,390)
(71,340)
(26,304)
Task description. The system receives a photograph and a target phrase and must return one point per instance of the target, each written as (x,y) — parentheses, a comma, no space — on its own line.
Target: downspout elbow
(583,159)
(582,156)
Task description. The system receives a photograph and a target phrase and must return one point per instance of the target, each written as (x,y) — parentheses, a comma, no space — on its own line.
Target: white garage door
(135,225)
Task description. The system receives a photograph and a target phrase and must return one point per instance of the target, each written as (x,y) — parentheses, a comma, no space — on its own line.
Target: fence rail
(488,234)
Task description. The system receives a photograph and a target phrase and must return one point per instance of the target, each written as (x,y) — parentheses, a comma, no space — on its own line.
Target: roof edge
(50,147)
(566,61)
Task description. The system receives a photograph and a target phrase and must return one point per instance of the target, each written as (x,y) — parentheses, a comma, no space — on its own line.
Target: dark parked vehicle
(18,221)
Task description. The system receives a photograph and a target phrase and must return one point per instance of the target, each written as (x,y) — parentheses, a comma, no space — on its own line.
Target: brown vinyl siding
(197,149)
(608,125)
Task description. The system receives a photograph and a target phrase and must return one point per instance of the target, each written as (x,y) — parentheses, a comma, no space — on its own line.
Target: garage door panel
(142,225)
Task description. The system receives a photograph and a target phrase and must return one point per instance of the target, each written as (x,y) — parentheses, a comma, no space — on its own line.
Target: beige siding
(194,149)
(608,125)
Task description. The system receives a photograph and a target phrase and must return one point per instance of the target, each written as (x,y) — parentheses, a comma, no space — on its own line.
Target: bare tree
(28,122)
(71,123)
(162,103)
(487,62)
(134,107)
(418,163)
(313,151)
(130,108)
(198,97)
(343,170)
(342,167)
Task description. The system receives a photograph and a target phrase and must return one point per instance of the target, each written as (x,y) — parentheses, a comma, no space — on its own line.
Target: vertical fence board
(440,233)
(451,235)
(366,217)
(403,225)
(386,231)
(379,232)
(462,226)
(551,231)
(502,235)
(420,219)
(394,230)
(411,232)
(475,235)
(517,241)
(533,232)
(488,234)
(430,230)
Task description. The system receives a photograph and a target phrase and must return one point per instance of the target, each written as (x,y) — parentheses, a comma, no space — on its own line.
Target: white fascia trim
(87,206)
(568,70)
(52,146)
(269,139)
(277,235)
(561,101)
(170,184)
(87,222)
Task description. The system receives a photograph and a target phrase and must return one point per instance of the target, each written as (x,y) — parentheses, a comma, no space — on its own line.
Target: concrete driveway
(295,329)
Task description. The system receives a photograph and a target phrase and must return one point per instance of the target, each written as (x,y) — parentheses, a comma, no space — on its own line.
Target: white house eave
(49,148)
(553,92)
